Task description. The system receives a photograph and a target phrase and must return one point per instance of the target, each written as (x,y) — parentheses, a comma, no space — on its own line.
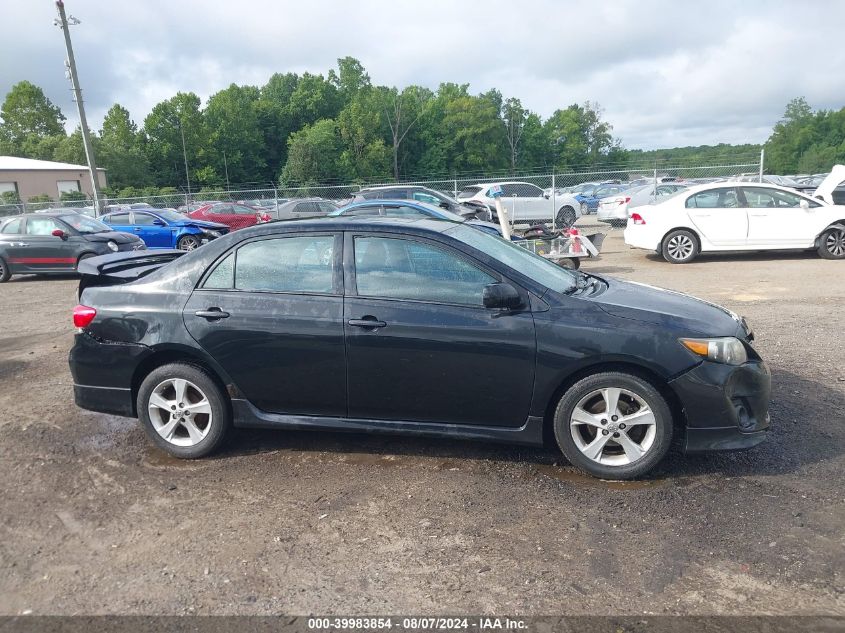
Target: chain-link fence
(553,184)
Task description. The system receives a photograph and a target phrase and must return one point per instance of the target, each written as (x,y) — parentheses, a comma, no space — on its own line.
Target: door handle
(367,322)
(212,314)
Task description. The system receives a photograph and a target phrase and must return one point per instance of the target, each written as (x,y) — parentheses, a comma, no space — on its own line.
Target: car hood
(118,237)
(202,224)
(668,308)
(831,182)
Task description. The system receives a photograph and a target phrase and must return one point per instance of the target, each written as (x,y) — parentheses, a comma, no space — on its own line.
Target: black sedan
(413,326)
(47,243)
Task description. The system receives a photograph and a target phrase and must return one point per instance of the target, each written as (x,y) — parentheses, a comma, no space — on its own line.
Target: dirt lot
(96,521)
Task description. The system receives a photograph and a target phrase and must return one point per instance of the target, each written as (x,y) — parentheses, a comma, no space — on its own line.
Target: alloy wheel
(613,426)
(188,243)
(835,242)
(180,412)
(680,247)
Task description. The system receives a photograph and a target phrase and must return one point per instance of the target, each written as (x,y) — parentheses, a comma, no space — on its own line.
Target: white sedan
(614,209)
(525,203)
(740,216)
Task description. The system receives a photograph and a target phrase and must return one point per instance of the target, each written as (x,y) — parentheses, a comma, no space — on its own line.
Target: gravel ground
(94,520)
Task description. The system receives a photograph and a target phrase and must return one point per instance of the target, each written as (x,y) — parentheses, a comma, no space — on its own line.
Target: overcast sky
(667,73)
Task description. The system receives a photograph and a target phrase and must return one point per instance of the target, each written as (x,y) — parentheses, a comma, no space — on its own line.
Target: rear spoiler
(121,268)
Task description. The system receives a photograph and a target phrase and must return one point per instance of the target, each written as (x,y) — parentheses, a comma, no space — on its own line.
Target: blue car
(165,228)
(409,208)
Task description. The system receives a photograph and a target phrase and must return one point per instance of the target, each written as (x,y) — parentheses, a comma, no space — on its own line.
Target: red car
(235,216)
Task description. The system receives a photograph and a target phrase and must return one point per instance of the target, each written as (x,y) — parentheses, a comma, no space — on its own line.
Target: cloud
(666,73)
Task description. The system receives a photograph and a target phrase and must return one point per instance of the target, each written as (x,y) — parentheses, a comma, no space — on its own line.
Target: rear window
(468,192)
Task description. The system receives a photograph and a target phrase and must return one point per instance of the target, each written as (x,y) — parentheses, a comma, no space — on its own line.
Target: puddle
(571,476)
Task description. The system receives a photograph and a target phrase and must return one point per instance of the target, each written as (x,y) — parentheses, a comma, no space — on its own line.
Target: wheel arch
(628,366)
(838,224)
(682,228)
(167,355)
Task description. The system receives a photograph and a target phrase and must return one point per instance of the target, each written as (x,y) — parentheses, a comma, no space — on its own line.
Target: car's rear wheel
(585,209)
(613,425)
(183,410)
(187,243)
(565,217)
(680,247)
(832,243)
(5,273)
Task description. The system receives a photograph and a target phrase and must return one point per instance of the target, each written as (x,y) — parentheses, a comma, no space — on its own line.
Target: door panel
(45,252)
(284,352)
(280,334)
(718,215)
(776,220)
(428,358)
(439,363)
(154,236)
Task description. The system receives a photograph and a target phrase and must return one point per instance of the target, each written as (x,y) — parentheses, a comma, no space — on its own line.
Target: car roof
(504,182)
(740,183)
(397,186)
(355,222)
(405,203)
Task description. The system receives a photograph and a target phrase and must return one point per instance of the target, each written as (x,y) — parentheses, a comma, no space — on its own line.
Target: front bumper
(726,407)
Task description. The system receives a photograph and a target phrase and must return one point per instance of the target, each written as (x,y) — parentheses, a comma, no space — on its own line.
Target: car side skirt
(246,415)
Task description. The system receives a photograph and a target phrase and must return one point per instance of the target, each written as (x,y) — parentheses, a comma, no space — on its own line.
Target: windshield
(533,266)
(171,215)
(84,224)
(468,192)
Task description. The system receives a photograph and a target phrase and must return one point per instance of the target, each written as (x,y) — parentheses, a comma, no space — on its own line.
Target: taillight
(83,315)
(636,218)
(625,200)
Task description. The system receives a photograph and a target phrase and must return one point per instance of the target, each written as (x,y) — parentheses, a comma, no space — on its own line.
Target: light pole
(63,23)
(178,122)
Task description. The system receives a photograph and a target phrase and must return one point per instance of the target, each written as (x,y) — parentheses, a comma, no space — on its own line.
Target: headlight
(113,246)
(727,350)
(213,233)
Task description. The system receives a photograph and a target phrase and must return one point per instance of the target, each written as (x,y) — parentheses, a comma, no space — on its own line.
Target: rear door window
(286,264)
(723,198)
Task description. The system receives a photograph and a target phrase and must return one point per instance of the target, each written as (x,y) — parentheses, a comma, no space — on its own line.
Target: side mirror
(804,205)
(501,296)
(158,223)
(59,233)
(445,205)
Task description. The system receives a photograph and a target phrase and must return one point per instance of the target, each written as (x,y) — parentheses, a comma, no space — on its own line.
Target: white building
(29,177)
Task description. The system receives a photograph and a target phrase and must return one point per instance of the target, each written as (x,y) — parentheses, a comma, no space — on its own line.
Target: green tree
(120,150)
(806,141)
(349,79)
(402,110)
(28,117)
(579,137)
(314,155)
(274,121)
(163,129)
(70,149)
(365,155)
(236,141)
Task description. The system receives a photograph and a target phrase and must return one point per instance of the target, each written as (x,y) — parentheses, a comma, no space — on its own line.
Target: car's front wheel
(187,243)
(832,243)
(679,247)
(613,425)
(183,410)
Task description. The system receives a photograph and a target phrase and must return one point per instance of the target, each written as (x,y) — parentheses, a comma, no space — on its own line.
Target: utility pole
(185,156)
(70,63)
(226,167)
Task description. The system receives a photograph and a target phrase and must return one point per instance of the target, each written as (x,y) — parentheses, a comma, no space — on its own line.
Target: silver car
(613,210)
(299,208)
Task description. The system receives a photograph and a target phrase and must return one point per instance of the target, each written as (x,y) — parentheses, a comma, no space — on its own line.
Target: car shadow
(26,278)
(751,256)
(800,436)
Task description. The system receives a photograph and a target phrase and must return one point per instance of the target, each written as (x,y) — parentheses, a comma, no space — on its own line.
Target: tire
(565,217)
(585,209)
(627,450)
(573,263)
(832,243)
(679,247)
(5,273)
(188,243)
(195,429)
